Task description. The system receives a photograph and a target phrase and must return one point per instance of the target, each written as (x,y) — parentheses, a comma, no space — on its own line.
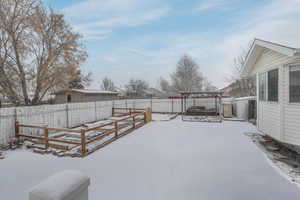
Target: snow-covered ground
(163,160)
(283,163)
(163,117)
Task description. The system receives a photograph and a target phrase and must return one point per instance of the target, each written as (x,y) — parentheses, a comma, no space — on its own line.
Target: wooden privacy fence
(82,142)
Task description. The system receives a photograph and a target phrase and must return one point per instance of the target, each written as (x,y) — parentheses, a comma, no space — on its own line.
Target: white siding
(268,60)
(292,124)
(269,119)
(279,120)
(291,111)
(269,112)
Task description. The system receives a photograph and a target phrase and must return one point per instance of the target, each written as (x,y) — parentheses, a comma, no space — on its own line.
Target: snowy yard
(162,160)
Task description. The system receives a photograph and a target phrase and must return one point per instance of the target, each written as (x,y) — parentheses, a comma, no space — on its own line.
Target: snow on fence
(75,114)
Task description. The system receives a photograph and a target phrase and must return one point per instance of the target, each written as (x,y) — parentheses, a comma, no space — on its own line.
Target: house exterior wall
(280,120)
(77,98)
(268,113)
(60,98)
(291,111)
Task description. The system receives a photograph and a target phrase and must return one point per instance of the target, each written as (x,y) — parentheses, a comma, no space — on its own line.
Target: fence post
(46,134)
(172,105)
(15,115)
(67,115)
(95,111)
(17,130)
(116,128)
(83,144)
(133,123)
(113,111)
(145,117)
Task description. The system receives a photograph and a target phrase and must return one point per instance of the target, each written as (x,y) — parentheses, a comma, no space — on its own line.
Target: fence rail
(75,114)
(106,129)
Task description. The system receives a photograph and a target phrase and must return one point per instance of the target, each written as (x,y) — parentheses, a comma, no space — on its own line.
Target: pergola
(192,104)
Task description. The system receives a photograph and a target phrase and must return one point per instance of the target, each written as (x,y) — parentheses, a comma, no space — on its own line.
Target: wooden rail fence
(131,119)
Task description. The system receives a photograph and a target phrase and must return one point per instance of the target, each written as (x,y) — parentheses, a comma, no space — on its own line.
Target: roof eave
(258,45)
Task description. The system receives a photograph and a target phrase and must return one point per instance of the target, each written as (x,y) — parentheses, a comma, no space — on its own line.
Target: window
(262,87)
(295,83)
(273,85)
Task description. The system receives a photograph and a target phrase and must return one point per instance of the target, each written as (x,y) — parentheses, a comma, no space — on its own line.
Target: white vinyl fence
(75,114)
(58,116)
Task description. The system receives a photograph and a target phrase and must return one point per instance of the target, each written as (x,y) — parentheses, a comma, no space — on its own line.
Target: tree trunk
(22,75)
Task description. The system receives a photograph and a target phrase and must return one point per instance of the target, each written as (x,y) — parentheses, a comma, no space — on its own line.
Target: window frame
(265,87)
(289,83)
(267,82)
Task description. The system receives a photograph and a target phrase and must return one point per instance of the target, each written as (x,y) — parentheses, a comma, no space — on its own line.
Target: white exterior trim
(257,48)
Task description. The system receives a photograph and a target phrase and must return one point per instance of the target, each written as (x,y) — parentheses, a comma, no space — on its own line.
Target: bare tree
(165,85)
(187,76)
(241,86)
(136,88)
(38,50)
(107,84)
(208,86)
(78,80)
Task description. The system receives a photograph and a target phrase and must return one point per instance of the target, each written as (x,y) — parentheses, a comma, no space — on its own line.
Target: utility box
(245,107)
(227,110)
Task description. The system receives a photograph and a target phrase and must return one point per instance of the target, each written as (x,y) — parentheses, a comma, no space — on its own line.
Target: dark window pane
(273,85)
(295,84)
(262,87)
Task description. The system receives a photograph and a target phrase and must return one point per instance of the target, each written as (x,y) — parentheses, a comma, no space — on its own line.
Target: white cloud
(276,21)
(209,4)
(99,15)
(95,8)
(130,19)
(92,34)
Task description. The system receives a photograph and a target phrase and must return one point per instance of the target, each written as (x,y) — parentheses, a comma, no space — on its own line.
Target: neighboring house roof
(84,91)
(120,90)
(154,92)
(257,48)
(230,86)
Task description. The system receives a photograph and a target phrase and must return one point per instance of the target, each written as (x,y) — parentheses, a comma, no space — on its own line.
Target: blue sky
(145,38)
